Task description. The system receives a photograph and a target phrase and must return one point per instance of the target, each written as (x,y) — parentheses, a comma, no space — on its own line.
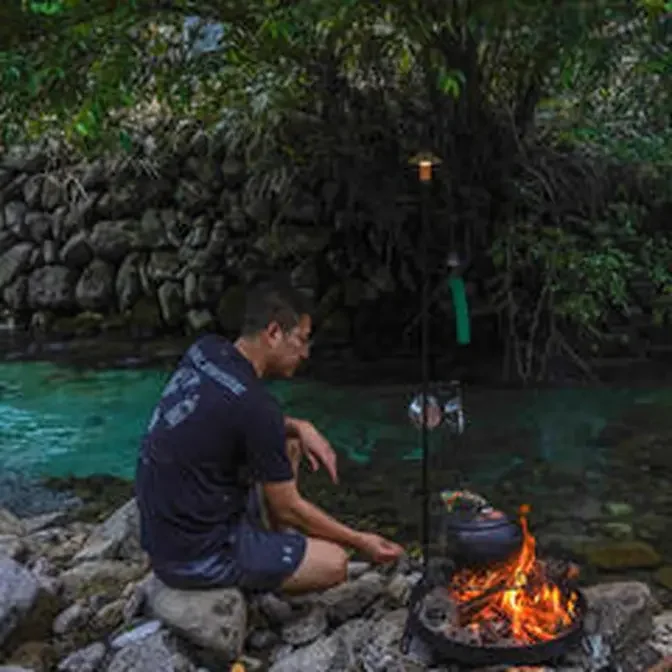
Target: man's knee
(324,566)
(336,565)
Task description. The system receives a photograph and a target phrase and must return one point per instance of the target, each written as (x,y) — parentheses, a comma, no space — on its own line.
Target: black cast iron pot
(477,538)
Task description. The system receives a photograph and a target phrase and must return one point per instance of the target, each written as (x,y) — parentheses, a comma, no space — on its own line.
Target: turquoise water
(58,421)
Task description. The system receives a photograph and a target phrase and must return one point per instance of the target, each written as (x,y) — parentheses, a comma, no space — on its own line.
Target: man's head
(277,319)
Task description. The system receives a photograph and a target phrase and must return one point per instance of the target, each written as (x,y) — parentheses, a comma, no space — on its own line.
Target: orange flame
(517,593)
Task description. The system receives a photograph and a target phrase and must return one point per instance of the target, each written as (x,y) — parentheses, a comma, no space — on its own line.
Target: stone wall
(107,244)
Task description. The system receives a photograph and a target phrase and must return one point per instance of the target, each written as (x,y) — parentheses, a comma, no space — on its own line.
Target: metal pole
(424,356)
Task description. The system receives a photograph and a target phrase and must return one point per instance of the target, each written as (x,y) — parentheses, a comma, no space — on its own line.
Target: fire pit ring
(448,649)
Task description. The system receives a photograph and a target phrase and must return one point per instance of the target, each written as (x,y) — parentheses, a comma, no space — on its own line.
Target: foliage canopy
(529,103)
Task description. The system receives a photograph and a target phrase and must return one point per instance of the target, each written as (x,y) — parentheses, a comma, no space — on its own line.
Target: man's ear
(273,333)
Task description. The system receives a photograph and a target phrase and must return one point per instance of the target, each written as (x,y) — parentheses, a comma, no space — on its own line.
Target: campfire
(521,610)
(521,602)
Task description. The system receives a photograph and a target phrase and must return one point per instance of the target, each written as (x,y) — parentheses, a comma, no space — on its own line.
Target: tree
(520,98)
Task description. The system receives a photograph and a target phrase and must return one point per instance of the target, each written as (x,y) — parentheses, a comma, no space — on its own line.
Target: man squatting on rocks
(216,479)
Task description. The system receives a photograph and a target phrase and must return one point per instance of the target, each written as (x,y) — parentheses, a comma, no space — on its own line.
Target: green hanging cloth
(459,294)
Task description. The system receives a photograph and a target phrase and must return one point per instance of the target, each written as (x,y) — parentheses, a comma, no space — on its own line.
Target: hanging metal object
(444,408)
(434,412)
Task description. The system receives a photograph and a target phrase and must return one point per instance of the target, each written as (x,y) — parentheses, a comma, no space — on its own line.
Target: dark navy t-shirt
(215,431)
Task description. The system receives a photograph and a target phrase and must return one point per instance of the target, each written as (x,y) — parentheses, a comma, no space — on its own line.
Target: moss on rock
(623,555)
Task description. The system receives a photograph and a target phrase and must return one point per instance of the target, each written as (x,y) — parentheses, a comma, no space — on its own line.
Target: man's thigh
(265,559)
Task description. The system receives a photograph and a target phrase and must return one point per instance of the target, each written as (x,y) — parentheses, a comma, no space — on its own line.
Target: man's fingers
(315,465)
(332,469)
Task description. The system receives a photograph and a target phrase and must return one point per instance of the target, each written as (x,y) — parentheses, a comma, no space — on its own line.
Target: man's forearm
(314,522)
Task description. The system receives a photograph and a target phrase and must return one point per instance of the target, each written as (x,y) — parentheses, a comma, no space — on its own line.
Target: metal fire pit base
(422,640)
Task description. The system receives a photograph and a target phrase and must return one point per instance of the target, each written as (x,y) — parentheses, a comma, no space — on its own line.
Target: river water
(60,420)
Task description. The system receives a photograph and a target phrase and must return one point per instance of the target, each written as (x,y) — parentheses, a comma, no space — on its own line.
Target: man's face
(289,348)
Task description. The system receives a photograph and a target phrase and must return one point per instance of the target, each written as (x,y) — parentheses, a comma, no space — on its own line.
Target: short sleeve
(264,435)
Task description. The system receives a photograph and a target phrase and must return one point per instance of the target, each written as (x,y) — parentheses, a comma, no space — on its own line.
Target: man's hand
(315,447)
(378,549)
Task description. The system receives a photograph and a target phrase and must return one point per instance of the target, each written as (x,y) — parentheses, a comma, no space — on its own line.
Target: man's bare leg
(324,566)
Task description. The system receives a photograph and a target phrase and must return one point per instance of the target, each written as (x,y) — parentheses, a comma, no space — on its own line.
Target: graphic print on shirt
(179,399)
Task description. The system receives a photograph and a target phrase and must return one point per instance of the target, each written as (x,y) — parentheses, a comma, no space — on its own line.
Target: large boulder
(213,619)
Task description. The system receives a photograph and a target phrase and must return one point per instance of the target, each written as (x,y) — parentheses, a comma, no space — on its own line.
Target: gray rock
(128,285)
(10,524)
(32,191)
(306,626)
(152,229)
(262,640)
(202,290)
(151,654)
(7,239)
(352,598)
(42,521)
(213,619)
(118,537)
(19,591)
(70,619)
(191,290)
(105,574)
(136,635)
(78,216)
(357,569)
(39,226)
(24,159)
(163,265)
(52,287)
(277,611)
(52,193)
(88,659)
(662,633)
(171,302)
(619,620)
(200,319)
(50,252)
(119,203)
(77,253)
(318,657)
(113,240)
(15,295)
(13,191)
(199,234)
(95,287)
(193,196)
(174,228)
(12,547)
(6,177)
(14,261)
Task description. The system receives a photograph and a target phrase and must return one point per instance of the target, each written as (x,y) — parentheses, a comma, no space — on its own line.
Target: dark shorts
(253,559)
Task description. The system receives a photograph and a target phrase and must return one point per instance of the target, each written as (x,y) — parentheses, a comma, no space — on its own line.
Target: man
(216,438)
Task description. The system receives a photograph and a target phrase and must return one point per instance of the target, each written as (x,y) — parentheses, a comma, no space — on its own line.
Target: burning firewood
(523,602)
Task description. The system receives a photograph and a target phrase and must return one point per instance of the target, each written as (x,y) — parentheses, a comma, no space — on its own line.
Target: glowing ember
(516,601)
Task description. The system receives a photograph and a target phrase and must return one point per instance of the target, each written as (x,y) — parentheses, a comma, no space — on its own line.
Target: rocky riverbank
(78,597)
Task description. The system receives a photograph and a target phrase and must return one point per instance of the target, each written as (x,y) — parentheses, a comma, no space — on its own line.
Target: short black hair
(273,301)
